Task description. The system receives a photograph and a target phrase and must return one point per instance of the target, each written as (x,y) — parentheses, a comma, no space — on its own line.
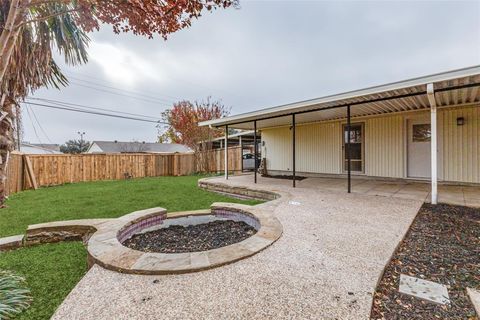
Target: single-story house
(134,147)
(426,128)
(33,148)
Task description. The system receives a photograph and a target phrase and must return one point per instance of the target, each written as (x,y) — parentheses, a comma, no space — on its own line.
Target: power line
(124,95)
(33,125)
(98,83)
(192,84)
(93,112)
(40,126)
(68,104)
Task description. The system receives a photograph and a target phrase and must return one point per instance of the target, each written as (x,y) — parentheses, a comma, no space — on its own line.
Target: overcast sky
(264,54)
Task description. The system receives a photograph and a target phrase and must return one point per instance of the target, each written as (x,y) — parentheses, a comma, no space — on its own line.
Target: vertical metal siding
(384,146)
(278,148)
(318,148)
(461,145)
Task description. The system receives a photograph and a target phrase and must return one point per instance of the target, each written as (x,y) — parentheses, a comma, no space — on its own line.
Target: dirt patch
(442,245)
(200,237)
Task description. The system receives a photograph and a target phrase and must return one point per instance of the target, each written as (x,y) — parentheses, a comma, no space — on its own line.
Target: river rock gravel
(192,238)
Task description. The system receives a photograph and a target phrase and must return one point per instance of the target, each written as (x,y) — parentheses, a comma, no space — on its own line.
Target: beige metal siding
(277,148)
(384,146)
(461,145)
(318,148)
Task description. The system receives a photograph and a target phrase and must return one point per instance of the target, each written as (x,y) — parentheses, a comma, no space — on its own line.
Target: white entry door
(419,136)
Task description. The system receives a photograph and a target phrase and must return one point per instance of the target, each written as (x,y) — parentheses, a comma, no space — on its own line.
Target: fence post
(31,174)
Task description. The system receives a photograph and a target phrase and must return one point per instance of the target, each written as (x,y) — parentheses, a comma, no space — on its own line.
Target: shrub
(14,296)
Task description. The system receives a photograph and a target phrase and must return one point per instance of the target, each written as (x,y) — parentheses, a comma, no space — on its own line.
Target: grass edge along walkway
(53,270)
(105,199)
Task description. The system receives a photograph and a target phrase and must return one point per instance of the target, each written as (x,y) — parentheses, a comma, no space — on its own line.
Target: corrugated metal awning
(454,88)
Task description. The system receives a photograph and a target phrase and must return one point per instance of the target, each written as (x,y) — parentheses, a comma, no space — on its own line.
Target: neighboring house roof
(130,147)
(451,88)
(50,146)
(36,149)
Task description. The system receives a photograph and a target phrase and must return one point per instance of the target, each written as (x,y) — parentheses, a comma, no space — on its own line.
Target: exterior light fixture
(460,121)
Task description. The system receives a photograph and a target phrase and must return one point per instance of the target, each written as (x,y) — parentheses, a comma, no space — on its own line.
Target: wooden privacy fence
(214,160)
(31,171)
(15,173)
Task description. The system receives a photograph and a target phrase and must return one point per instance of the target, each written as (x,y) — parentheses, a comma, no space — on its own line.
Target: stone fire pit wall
(105,247)
(237,215)
(140,225)
(103,238)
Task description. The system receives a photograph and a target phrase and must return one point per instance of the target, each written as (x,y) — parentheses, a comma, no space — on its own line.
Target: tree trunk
(7,118)
(9,35)
(8,39)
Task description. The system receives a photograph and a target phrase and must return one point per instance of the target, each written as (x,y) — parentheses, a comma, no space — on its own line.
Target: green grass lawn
(52,270)
(104,199)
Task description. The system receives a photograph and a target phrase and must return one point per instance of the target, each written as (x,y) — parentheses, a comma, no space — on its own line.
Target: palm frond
(35,47)
(69,39)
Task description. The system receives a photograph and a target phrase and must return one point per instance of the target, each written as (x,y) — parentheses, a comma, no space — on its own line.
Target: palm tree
(30,28)
(32,66)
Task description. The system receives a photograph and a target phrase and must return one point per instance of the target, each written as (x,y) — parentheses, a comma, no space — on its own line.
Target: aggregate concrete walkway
(325,266)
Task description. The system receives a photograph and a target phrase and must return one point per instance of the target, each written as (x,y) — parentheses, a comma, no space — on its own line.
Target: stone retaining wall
(235,191)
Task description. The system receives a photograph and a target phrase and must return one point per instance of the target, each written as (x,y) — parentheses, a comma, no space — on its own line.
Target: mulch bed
(285,177)
(442,245)
(200,237)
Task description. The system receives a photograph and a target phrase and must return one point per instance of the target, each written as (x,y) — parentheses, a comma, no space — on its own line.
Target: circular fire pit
(191,234)
(154,242)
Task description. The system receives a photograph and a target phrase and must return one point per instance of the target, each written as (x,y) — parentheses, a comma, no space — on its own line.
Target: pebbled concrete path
(325,266)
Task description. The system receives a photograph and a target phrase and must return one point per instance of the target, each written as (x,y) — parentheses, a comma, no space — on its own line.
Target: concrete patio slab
(464,195)
(325,266)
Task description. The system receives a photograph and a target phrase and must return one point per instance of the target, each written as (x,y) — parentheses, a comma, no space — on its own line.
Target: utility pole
(19,127)
(81,140)
(81,136)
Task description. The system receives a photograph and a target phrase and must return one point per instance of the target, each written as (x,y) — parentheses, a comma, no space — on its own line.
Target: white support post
(226,153)
(433,141)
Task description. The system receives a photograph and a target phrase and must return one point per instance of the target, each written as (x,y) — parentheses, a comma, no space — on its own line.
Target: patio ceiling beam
(433,141)
(360,102)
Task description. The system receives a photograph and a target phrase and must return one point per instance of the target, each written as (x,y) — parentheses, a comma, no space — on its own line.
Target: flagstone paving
(325,265)
(424,289)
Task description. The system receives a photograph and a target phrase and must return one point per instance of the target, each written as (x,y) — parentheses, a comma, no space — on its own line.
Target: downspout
(433,141)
